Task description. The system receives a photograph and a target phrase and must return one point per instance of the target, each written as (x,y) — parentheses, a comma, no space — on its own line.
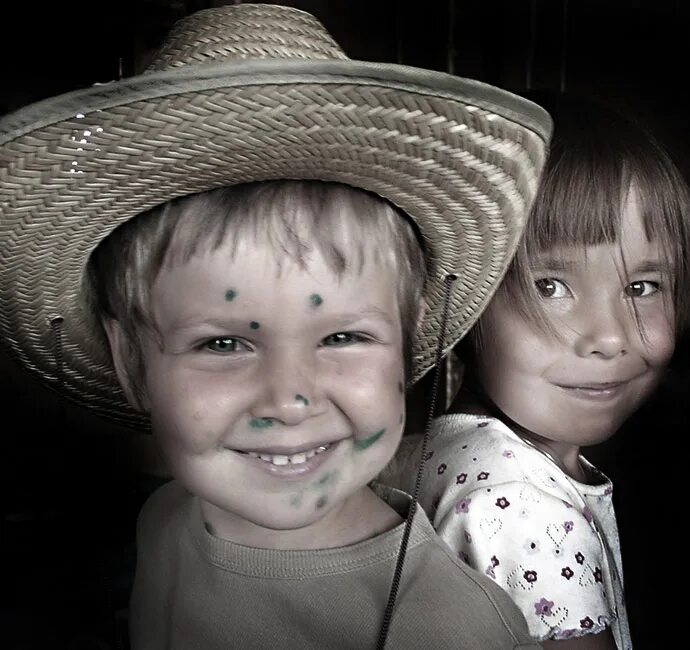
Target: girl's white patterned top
(509,511)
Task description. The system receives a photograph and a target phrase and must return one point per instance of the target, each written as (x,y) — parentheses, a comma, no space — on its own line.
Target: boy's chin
(293,525)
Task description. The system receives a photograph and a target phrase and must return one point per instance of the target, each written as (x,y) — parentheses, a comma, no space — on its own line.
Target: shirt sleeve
(541,549)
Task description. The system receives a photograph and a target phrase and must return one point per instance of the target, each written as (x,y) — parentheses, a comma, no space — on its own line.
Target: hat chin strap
(402,551)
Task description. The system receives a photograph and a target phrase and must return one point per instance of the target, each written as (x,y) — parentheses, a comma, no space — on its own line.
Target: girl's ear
(120,350)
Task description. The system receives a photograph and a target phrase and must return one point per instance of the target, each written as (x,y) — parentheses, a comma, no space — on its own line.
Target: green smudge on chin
(254,325)
(315,299)
(361,445)
(260,423)
(327,478)
(230,295)
(302,398)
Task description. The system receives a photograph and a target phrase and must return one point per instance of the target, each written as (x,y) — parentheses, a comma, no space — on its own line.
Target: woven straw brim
(461,158)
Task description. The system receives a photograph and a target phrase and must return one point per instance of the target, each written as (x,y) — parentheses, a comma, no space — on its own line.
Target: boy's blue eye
(342,338)
(225,345)
(641,288)
(551,288)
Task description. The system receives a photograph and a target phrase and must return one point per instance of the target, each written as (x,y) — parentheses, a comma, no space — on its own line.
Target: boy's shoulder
(163,511)
(484,613)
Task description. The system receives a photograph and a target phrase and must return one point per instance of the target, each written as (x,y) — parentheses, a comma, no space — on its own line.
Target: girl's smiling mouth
(596,391)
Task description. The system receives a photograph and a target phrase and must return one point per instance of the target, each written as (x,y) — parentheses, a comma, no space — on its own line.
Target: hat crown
(245,31)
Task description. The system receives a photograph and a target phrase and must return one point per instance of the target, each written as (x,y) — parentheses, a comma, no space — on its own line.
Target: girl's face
(577,388)
(275,392)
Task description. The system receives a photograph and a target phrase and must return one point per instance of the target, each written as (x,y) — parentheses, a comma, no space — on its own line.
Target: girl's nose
(291,391)
(603,330)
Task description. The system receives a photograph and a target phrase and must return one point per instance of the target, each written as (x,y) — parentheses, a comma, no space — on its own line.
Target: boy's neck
(363,516)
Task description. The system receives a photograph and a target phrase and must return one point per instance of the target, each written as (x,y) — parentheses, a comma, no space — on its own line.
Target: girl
(576,339)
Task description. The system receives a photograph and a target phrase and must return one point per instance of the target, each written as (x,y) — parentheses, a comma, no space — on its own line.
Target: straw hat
(245,93)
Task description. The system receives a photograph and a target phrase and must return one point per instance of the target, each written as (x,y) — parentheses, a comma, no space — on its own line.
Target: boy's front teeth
(294,459)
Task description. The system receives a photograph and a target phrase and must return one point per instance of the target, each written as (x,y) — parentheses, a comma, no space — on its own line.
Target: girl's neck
(472,399)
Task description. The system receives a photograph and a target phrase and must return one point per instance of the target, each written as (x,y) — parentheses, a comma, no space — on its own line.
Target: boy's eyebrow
(368,311)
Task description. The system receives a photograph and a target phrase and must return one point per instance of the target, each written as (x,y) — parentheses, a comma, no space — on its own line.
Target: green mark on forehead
(361,445)
(230,295)
(302,398)
(254,325)
(260,423)
(315,299)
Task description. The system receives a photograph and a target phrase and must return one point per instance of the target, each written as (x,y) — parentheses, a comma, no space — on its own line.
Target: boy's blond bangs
(348,227)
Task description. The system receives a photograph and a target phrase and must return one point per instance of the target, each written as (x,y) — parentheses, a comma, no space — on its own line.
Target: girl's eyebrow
(544,264)
(652,266)
(552,264)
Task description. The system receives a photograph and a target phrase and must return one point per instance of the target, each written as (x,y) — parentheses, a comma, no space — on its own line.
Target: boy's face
(578,388)
(276,394)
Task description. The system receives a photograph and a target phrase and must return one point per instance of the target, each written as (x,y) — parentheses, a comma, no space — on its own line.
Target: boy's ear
(119,348)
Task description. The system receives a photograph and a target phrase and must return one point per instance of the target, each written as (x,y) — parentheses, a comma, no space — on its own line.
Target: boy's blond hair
(349,227)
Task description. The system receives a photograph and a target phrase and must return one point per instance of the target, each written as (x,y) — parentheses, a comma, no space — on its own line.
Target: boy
(263,328)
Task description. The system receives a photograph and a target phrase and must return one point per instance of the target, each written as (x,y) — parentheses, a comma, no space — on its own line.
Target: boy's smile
(274,391)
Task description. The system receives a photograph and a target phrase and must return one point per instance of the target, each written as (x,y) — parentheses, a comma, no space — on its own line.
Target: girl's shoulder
(476,433)
(479,451)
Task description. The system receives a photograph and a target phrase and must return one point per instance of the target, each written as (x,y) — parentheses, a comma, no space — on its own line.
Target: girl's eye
(551,288)
(641,288)
(342,338)
(225,345)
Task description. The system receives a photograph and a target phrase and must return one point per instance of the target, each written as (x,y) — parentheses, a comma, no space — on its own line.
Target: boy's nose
(603,330)
(290,392)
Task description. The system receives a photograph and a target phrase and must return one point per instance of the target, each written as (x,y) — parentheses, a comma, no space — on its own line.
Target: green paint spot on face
(230,295)
(260,423)
(321,502)
(325,479)
(254,325)
(315,299)
(361,445)
(296,500)
(302,398)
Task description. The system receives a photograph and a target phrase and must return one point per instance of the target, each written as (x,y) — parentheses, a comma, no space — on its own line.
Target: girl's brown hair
(596,156)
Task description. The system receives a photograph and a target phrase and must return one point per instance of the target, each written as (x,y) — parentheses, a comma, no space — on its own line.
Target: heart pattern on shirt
(490,527)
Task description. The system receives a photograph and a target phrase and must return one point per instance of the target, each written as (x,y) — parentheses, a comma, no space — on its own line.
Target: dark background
(72,484)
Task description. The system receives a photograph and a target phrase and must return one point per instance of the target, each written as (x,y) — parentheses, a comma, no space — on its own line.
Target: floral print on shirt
(508,511)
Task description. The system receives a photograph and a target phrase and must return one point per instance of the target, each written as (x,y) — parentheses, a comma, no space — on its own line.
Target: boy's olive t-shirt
(195,590)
